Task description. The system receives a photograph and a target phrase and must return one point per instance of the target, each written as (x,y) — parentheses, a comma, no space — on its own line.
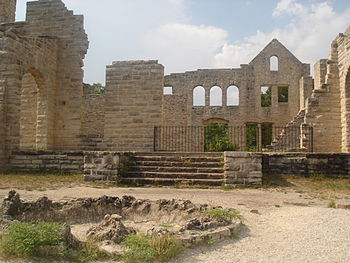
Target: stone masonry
(41,77)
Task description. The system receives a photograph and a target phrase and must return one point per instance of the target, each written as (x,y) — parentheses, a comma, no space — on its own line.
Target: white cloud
(308,35)
(185,47)
(291,7)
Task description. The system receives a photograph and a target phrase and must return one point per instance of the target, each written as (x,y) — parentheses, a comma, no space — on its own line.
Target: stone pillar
(306,85)
(320,69)
(243,168)
(7,11)
(133,104)
(2,126)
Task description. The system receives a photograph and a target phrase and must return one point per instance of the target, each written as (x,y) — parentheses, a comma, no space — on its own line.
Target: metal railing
(251,137)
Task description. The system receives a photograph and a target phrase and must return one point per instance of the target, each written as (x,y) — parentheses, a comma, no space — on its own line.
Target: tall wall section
(326,108)
(2,126)
(133,104)
(53,19)
(7,10)
(343,43)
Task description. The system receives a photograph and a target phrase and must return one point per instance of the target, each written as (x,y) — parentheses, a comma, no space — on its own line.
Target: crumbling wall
(249,79)
(2,127)
(133,104)
(323,110)
(343,47)
(48,50)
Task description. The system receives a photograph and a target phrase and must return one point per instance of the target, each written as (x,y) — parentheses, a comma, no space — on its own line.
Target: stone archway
(33,114)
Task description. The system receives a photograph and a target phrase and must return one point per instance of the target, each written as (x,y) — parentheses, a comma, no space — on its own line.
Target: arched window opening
(199,96)
(232,96)
(215,96)
(274,63)
(28,112)
(168,90)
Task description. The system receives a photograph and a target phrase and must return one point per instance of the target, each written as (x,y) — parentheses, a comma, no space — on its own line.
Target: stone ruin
(108,219)
(43,105)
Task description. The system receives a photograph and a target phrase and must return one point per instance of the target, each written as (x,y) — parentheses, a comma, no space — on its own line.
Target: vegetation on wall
(217,138)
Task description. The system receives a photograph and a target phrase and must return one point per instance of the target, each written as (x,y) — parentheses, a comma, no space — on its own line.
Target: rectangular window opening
(266,93)
(168,91)
(283,94)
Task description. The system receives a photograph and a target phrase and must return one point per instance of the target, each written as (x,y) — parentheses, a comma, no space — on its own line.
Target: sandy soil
(281,226)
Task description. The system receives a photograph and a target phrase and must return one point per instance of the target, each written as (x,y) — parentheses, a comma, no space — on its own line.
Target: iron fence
(251,137)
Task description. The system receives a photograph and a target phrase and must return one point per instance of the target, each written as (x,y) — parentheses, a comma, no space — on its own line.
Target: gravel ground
(285,227)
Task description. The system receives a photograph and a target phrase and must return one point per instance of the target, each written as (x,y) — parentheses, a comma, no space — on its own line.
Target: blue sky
(191,34)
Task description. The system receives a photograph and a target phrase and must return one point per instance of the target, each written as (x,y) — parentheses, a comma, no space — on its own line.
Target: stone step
(194,169)
(171,181)
(181,154)
(179,164)
(172,175)
(171,158)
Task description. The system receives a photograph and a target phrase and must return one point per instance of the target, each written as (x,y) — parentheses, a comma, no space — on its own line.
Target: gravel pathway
(288,234)
(289,227)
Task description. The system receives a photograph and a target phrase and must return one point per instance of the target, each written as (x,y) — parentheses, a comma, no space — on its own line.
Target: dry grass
(41,182)
(317,186)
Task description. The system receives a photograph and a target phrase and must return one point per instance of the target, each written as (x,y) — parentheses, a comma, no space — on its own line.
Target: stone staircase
(288,139)
(160,168)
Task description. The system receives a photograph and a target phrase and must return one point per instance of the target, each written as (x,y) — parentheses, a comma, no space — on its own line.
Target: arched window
(232,96)
(215,96)
(199,96)
(273,63)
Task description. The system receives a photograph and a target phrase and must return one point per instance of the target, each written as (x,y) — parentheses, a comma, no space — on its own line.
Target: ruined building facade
(43,105)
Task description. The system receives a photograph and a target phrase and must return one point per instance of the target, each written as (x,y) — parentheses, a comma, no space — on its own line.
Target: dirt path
(289,227)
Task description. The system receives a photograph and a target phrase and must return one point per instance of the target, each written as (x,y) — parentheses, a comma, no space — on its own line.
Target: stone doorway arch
(33,134)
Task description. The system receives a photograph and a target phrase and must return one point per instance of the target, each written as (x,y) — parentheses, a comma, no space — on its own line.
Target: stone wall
(7,10)
(42,161)
(243,168)
(105,166)
(133,104)
(93,119)
(301,164)
(40,66)
(249,79)
(2,127)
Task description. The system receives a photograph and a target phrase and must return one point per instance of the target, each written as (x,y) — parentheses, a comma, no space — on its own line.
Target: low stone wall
(105,166)
(306,164)
(243,168)
(43,161)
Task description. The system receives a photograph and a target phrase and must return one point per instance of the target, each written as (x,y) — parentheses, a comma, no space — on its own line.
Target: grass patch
(45,242)
(331,204)
(221,214)
(151,248)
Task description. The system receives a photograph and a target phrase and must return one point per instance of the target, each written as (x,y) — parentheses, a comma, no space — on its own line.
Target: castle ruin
(43,105)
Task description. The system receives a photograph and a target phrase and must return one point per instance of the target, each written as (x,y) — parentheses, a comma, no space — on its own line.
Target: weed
(221,214)
(151,248)
(331,204)
(28,240)
(318,176)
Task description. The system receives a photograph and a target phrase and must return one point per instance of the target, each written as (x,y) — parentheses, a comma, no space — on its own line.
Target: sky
(192,34)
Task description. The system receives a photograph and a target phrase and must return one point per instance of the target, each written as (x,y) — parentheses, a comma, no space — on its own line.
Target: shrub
(221,214)
(217,138)
(151,248)
(27,239)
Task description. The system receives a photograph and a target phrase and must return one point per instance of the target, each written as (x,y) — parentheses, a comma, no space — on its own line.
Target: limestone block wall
(40,64)
(323,110)
(7,10)
(307,164)
(133,104)
(35,58)
(105,166)
(53,19)
(2,127)
(242,168)
(249,79)
(43,161)
(343,48)
(93,114)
